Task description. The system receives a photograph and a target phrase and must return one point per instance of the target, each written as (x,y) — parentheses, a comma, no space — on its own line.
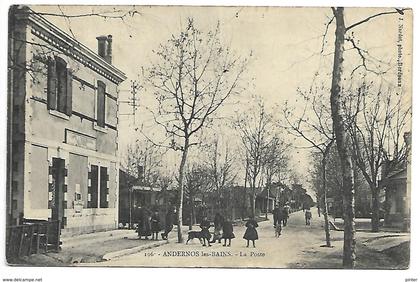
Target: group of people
(223,229)
(150,225)
(280,217)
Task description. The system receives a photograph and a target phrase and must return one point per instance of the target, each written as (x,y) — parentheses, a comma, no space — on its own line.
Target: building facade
(62,127)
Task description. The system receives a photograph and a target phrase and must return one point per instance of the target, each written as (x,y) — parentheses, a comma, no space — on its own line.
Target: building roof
(57,38)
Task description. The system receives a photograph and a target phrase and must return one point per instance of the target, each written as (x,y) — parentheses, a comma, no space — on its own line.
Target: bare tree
(340,129)
(275,164)
(142,160)
(194,76)
(222,173)
(256,129)
(377,139)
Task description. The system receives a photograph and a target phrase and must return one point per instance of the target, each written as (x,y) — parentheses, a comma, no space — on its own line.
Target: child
(227,232)
(251,233)
(205,233)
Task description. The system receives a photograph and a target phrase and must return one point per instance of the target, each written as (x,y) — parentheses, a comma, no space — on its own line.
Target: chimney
(108,56)
(105,47)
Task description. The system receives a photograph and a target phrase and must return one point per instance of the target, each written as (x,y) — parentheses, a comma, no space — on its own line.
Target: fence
(32,237)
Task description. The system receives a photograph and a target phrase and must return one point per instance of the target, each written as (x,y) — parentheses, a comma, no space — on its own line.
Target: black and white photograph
(208,137)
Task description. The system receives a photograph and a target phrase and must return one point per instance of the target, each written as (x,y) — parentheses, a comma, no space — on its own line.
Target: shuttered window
(59,86)
(94,183)
(100,104)
(103,187)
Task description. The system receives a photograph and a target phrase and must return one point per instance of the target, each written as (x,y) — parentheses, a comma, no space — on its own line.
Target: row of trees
(196,74)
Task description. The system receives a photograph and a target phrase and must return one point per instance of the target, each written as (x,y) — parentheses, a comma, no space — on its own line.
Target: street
(270,252)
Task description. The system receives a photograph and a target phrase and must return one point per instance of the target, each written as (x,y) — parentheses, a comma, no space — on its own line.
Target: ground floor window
(98,189)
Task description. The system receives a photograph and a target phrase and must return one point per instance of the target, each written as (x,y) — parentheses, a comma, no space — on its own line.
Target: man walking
(277,218)
(308,216)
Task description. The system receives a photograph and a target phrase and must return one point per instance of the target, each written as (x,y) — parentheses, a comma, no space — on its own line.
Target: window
(93,192)
(104,187)
(59,86)
(98,190)
(100,104)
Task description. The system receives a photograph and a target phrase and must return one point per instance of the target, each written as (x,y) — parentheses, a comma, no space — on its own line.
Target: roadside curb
(116,254)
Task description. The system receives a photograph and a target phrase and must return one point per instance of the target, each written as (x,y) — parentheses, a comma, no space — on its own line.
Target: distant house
(134,195)
(62,127)
(265,200)
(397,211)
(397,187)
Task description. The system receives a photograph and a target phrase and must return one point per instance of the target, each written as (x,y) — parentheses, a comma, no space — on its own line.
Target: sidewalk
(364,225)
(381,250)
(93,247)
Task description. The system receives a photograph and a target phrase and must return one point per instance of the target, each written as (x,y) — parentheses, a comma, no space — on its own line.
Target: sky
(285,45)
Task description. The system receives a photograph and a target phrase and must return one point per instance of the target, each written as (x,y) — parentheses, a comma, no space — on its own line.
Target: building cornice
(57,38)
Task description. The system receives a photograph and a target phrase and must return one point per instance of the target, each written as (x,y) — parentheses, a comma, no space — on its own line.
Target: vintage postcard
(206,136)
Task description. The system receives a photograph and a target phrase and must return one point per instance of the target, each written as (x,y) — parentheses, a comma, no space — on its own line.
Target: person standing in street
(251,233)
(277,218)
(205,233)
(218,224)
(169,223)
(155,225)
(227,232)
(143,227)
(308,216)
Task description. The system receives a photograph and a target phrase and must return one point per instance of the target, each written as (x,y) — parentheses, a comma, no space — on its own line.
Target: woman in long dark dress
(251,233)
(227,232)
(143,228)
(155,225)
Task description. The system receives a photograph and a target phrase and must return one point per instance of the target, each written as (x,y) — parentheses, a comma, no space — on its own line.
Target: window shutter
(69,97)
(100,114)
(52,85)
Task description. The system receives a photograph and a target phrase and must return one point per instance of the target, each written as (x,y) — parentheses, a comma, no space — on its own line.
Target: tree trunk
(181,189)
(343,141)
(375,208)
(324,187)
(252,203)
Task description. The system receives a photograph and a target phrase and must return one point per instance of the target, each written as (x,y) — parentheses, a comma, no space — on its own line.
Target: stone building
(62,127)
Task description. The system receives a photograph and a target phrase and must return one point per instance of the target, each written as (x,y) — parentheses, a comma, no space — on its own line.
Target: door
(58,171)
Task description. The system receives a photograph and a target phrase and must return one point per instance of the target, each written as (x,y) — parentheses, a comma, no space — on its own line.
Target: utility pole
(133,101)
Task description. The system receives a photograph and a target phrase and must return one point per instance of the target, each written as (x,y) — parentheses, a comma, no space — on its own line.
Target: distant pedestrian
(218,224)
(277,218)
(227,232)
(169,223)
(286,212)
(308,217)
(143,227)
(251,233)
(155,225)
(205,233)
